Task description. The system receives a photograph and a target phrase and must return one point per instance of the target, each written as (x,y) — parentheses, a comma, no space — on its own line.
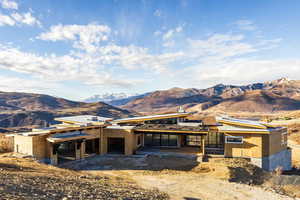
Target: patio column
(82,149)
(77,149)
(202,145)
(53,154)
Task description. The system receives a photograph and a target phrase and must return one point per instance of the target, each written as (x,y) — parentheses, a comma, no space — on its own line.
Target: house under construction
(80,136)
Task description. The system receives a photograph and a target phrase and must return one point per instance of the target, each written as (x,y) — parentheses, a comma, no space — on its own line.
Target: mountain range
(27,109)
(278,95)
(107,97)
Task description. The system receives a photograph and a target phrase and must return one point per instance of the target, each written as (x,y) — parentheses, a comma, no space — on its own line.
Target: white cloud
(220,46)
(245,25)
(227,58)
(8,4)
(91,37)
(84,68)
(26,18)
(168,37)
(170,33)
(9,84)
(244,71)
(19,19)
(214,59)
(6,20)
(85,37)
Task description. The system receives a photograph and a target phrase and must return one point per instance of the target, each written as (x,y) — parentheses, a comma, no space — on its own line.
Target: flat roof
(151,117)
(83,119)
(75,135)
(59,130)
(234,129)
(171,128)
(244,123)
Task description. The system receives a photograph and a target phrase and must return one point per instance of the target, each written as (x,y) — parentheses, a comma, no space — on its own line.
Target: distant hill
(278,95)
(13,101)
(27,109)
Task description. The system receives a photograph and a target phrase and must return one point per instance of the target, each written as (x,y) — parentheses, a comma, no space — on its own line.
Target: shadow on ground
(137,162)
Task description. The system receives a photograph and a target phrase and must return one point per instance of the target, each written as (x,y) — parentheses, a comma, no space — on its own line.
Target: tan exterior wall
(40,147)
(23,144)
(275,142)
(95,132)
(251,147)
(130,139)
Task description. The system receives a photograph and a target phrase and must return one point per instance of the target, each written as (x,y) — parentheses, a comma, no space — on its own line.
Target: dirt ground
(24,178)
(186,179)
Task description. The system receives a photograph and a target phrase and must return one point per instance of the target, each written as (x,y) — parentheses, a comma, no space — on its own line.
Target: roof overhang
(181,132)
(151,117)
(63,138)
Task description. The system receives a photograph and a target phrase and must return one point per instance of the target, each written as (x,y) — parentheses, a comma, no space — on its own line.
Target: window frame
(283,141)
(228,142)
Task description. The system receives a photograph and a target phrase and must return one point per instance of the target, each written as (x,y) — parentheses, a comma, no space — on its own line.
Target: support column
(53,154)
(143,140)
(77,150)
(203,145)
(82,150)
(103,142)
(178,141)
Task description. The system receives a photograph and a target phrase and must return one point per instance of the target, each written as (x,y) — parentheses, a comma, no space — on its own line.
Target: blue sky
(75,49)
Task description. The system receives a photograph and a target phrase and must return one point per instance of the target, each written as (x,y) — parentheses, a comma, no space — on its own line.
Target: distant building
(81,136)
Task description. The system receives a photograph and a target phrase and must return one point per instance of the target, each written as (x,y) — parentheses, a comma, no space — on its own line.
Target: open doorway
(65,151)
(92,146)
(116,145)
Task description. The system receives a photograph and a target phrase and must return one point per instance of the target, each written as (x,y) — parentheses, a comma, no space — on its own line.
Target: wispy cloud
(85,37)
(8,4)
(15,18)
(168,37)
(6,20)
(25,18)
(247,25)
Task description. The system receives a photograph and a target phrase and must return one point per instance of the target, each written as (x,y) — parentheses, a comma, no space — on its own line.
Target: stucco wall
(130,139)
(23,144)
(251,147)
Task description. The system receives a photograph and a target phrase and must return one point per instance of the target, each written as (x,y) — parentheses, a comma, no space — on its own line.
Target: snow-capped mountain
(107,97)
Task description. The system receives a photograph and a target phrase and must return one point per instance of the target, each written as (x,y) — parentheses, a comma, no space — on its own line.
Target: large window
(162,121)
(161,140)
(214,140)
(192,140)
(234,139)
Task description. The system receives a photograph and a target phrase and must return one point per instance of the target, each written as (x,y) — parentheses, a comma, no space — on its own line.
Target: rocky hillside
(279,95)
(26,109)
(29,180)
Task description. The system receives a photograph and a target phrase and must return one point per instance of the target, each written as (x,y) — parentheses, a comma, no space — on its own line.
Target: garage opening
(116,145)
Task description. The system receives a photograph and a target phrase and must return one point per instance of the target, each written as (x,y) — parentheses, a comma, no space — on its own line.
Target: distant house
(80,136)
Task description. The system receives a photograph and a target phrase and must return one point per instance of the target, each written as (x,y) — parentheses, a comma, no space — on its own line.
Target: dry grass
(26,179)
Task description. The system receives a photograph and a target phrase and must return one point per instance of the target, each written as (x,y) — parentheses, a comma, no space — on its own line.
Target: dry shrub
(6,143)
(278,171)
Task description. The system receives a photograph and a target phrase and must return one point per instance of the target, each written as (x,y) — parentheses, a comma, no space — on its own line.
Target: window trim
(283,141)
(228,142)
